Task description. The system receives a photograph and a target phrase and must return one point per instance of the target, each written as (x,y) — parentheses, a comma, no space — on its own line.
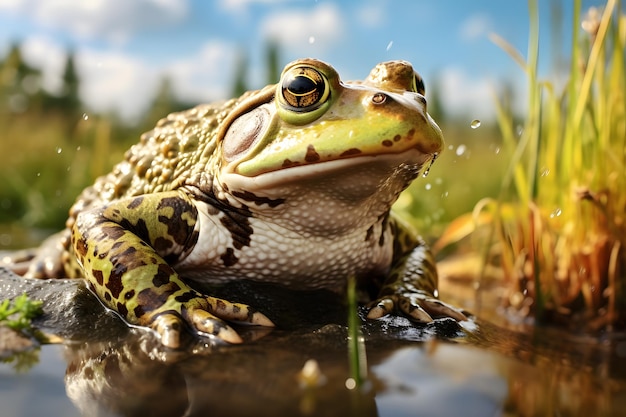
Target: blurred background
(80,81)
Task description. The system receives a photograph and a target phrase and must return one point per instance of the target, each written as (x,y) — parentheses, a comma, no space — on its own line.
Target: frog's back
(176,151)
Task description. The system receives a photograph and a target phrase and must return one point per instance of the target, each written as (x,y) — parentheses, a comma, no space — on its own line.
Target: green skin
(292,184)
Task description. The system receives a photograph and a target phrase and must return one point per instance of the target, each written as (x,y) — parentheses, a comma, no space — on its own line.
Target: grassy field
(44,166)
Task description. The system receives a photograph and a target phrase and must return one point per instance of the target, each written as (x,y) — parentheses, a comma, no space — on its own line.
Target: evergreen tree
(241,71)
(68,102)
(20,84)
(273,62)
(164,103)
(435,104)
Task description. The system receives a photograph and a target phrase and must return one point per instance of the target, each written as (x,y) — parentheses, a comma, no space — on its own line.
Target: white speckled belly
(277,255)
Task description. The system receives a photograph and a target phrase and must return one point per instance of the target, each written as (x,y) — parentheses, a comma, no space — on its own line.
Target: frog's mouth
(358,169)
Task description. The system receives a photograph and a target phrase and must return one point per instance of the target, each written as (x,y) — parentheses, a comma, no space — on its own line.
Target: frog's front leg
(411,287)
(124,249)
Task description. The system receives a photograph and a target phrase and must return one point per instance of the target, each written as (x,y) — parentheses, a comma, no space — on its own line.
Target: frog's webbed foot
(206,316)
(18,261)
(417,306)
(49,260)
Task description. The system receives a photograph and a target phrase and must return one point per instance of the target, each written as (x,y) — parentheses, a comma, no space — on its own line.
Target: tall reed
(559,226)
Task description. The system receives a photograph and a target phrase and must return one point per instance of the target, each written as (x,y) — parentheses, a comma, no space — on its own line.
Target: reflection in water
(492,372)
(551,372)
(445,380)
(435,370)
(256,379)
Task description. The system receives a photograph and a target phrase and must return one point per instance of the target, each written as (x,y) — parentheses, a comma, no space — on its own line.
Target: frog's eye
(304,89)
(419,84)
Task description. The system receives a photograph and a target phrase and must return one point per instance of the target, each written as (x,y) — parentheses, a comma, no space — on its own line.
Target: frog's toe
(432,306)
(414,310)
(238,312)
(205,322)
(394,303)
(168,327)
(380,308)
(418,307)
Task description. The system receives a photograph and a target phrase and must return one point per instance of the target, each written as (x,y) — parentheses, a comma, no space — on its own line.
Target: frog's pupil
(302,85)
(303,88)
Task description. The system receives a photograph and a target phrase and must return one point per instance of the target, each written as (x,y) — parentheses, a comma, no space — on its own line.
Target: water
(436,370)
(419,378)
(38,392)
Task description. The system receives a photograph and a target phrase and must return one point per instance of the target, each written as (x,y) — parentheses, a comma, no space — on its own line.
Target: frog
(291,185)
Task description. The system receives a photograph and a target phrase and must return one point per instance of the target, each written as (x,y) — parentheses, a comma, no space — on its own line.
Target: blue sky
(123,48)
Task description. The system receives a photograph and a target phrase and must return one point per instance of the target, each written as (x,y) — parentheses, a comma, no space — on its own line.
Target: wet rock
(70,310)
(73,312)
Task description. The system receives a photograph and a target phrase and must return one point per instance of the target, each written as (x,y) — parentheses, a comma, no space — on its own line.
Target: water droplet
(389,45)
(85,116)
(78,148)
(59,149)
(39,174)
(428,186)
(545,172)
(519,130)
(556,213)
(425,173)
(451,147)
(350,383)
(475,124)
(311,40)
(460,150)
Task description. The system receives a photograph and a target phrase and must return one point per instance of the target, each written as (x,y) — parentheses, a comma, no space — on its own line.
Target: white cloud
(474,27)
(463,95)
(475,98)
(301,29)
(371,15)
(120,82)
(112,81)
(111,19)
(116,81)
(42,53)
(241,6)
(204,76)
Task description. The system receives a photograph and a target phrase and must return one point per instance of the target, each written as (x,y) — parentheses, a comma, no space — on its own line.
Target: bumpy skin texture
(292,184)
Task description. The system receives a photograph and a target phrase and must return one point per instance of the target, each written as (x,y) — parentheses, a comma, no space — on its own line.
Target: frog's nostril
(379,98)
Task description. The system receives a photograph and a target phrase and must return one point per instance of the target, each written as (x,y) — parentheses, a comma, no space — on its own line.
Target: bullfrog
(291,185)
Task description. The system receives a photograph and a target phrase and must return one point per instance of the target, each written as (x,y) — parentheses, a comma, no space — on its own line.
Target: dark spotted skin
(125,248)
(255,188)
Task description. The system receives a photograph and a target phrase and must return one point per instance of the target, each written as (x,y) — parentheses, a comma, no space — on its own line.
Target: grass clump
(558,230)
(18,313)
